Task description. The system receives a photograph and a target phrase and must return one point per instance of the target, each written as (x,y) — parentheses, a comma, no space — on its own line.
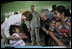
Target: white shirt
(19,42)
(12,20)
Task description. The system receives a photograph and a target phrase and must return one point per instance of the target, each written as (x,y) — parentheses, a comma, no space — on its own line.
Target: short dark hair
(32,5)
(53,7)
(28,15)
(62,9)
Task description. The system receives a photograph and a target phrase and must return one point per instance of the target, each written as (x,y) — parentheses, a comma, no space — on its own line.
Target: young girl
(16,32)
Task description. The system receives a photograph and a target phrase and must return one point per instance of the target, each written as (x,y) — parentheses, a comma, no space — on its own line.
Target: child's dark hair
(13,27)
(62,9)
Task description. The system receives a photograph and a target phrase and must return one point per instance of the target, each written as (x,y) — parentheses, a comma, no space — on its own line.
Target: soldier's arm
(38,20)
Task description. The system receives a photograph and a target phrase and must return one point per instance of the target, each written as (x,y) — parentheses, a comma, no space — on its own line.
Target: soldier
(34,25)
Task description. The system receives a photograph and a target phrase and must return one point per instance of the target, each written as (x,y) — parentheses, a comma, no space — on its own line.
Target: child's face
(17,30)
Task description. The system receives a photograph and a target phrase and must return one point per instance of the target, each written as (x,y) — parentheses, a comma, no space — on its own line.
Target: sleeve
(2,26)
(6,32)
(47,26)
(29,25)
(38,20)
(52,26)
(51,16)
(2,29)
(5,29)
(41,24)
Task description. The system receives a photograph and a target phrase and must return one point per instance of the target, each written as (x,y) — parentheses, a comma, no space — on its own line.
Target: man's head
(45,14)
(32,8)
(53,7)
(26,16)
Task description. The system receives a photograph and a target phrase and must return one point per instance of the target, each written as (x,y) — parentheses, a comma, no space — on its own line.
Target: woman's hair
(62,9)
(13,27)
(46,12)
(28,15)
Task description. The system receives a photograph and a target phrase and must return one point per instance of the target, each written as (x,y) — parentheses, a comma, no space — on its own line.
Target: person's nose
(25,18)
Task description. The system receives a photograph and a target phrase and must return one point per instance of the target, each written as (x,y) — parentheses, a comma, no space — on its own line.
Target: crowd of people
(55,26)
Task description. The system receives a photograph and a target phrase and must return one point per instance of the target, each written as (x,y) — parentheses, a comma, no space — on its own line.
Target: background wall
(25,5)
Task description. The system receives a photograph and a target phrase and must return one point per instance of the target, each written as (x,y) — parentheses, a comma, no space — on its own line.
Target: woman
(61,27)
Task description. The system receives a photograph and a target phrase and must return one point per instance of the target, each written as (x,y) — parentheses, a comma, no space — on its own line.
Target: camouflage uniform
(35,22)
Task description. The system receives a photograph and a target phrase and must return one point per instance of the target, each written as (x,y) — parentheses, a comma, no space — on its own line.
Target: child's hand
(23,35)
(13,38)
